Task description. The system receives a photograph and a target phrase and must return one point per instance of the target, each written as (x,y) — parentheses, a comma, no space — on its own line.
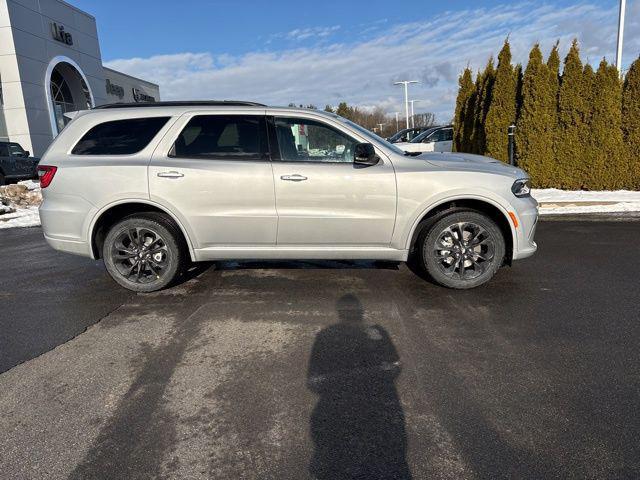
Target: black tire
(3,180)
(465,263)
(145,252)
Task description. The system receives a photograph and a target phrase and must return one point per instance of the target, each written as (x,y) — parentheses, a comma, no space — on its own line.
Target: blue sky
(330,51)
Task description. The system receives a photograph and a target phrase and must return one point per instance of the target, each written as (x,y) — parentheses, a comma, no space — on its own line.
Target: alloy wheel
(140,255)
(464,250)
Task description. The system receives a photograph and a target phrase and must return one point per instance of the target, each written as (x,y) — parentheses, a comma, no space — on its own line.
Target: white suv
(149,188)
(435,139)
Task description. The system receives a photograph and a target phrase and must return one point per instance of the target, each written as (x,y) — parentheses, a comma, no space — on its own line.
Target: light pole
(623,4)
(406,96)
(380,125)
(397,123)
(413,115)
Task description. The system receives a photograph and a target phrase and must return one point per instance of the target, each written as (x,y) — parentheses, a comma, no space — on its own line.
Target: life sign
(58,33)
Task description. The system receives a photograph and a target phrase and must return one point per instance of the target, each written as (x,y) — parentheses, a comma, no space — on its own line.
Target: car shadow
(306,264)
(358,424)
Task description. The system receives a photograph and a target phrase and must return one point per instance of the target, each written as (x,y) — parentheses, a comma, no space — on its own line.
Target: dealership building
(50,63)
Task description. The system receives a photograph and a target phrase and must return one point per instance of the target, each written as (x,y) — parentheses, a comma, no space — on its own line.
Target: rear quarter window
(119,137)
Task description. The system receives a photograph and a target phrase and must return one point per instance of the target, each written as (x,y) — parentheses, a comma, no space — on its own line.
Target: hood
(469,161)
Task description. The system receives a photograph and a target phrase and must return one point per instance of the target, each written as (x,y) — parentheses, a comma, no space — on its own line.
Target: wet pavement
(325,370)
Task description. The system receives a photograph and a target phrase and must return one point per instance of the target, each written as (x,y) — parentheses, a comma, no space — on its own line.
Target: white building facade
(50,63)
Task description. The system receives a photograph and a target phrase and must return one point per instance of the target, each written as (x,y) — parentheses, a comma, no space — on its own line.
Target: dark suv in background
(15,163)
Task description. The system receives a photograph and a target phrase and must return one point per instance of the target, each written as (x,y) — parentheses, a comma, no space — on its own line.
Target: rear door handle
(172,174)
(293,178)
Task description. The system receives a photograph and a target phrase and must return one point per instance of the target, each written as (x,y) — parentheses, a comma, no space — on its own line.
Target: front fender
(403,237)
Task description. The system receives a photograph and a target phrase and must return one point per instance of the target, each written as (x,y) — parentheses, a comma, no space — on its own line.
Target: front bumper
(527,214)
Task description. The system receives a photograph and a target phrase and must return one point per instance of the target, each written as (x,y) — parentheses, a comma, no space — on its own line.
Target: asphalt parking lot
(325,370)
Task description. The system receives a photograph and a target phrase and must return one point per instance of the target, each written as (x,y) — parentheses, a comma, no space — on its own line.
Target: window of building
(62,97)
(119,137)
(304,140)
(240,137)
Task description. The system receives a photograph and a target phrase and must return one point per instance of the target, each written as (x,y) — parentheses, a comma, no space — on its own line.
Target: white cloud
(305,33)
(362,71)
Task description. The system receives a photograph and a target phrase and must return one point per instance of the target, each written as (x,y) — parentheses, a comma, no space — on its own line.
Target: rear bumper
(64,221)
(70,246)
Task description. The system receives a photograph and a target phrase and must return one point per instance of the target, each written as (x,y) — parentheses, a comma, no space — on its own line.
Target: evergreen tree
(464,94)
(344,110)
(468,132)
(583,171)
(501,111)
(606,168)
(553,66)
(484,89)
(572,112)
(534,127)
(518,74)
(553,63)
(631,123)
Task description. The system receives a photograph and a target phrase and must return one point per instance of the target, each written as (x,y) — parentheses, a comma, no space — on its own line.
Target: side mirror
(365,155)
(27,154)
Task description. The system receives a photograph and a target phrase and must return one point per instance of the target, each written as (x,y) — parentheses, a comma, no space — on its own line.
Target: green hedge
(579,129)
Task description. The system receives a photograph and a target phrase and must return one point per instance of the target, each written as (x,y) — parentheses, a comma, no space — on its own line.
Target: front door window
(304,140)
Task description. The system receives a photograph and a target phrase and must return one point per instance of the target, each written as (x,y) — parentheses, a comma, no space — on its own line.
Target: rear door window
(4,150)
(235,137)
(119,137)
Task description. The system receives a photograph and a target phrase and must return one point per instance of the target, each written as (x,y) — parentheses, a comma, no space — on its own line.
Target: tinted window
(449,136)
(4,151)
(222,136)
(443,135)
(119,137)
(16,150)
(424,136)
(303,140)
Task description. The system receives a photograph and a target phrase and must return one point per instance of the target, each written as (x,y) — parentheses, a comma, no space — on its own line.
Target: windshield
(373,136)
(424,135)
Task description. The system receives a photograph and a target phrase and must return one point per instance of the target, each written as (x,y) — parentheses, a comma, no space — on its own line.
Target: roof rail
(183,103)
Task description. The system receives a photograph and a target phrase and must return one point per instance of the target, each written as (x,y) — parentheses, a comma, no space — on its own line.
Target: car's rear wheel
(144,252)
(461,250)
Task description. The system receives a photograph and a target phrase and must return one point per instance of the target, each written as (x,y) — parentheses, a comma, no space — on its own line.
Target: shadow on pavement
(357,425)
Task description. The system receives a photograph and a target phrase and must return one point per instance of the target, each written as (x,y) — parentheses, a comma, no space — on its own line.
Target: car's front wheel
(461,250)
(144,252)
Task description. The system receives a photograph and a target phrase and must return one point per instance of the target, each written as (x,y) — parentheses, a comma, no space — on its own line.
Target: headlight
(521,188)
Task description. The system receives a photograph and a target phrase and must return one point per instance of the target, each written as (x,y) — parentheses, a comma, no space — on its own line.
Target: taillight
(46,173)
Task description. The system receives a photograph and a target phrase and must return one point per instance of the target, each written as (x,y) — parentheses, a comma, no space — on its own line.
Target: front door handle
(172,174)
(293,178)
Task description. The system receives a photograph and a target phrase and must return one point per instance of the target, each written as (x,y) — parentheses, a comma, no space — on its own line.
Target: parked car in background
(435,139)
(15,163)
(406,134)
(151,188)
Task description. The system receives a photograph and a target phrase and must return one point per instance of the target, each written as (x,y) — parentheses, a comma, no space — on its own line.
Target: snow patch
(555,202)
(22,217)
